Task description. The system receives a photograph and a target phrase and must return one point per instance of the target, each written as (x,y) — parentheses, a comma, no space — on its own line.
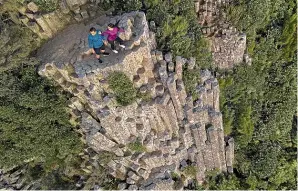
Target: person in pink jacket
(112,35)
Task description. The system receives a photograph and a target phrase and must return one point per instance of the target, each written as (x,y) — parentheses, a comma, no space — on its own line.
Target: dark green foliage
(33,124)
(289,37)
(178,30)
(123,88)
(228,116)
(259,102)
(245,128)
(56,181)
(47,5)
(254,16)
(191,78)
(123,5)
(265,159)
(16,44)
(221,182)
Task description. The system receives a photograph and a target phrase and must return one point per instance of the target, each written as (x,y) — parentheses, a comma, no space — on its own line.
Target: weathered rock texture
(228,45)
(175,130)
(46,25)
(13,179)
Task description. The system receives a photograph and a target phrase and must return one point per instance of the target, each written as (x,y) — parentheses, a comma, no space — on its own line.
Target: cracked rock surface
(175,131)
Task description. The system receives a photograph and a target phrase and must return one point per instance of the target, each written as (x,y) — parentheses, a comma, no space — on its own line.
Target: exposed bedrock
(228,45)
(173,131)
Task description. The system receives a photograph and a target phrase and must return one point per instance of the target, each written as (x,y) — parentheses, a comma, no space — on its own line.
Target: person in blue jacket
(96,43)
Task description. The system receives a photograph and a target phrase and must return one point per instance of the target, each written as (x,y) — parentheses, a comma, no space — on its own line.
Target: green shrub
(191,78)
(265,160)
(178,30)
(34,123)
(123,88)
(289,36)
(16,49)
(190,171)
(47,5)
(122,5)
(222,182)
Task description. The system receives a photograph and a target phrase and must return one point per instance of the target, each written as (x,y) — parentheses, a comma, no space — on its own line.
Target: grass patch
(137,146)
(190,171)
(144,96)
(123,88)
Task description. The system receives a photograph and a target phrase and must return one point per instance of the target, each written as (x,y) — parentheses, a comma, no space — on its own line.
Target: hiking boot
(99,60)
(122,46)
(115,51)
(106,53)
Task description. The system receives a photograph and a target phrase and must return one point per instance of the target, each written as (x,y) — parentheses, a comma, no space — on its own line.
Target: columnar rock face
(46,25)
(173,130)
(13,179)
(227,44)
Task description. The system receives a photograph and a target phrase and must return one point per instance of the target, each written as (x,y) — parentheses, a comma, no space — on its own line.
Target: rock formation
(174,131)
(228,45)
(13,179)
(46,25)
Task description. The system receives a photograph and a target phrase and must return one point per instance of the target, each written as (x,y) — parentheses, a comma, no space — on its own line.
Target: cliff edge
(176,133)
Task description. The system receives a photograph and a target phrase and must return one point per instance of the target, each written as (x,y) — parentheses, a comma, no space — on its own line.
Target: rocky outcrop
(48,24)
(228,45)
(16,178)
(172,129)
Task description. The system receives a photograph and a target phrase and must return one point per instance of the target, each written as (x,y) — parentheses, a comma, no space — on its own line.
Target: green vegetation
(178,30)
(123,88)
(259,102)
(175,176)
(15,50)
(123,5)
(221,182)
(33,121)
(191,78)
(137,146)
(190,171)
(105,157)
(288,38)
(34,124)
(254,17)
(47,5)
(144,96)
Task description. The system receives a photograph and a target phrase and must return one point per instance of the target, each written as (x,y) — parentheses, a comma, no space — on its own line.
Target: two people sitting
(98,40)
